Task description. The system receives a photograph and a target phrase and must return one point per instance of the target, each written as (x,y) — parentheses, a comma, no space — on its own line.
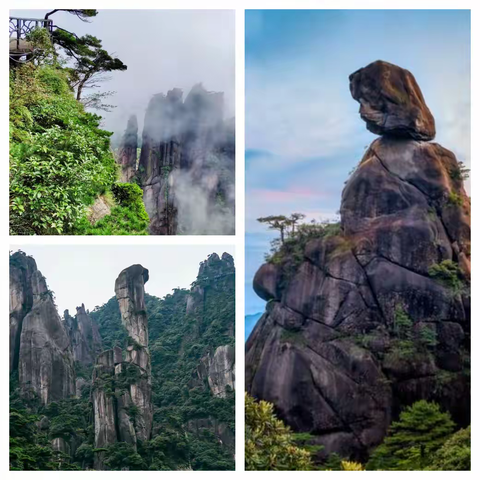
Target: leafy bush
(128,218)
(448,274)
(269,444)
(454,454)
(59,159)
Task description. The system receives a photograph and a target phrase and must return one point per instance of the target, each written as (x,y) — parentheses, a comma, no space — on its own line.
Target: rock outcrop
(122,393)
(127,153)
(377,317)
(85,339)
(391,102)
(218,370)
(186,165)
(39,344)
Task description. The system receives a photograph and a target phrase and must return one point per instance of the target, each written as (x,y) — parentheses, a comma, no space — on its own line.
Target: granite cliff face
(377,317)
(85,339)
(127,154)
(39,344)
(187,164)
(122,389)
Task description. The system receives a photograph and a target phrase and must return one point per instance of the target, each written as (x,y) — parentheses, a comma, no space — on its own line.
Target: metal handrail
(19,27)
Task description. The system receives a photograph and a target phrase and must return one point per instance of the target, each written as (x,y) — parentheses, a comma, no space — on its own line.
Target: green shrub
(59,159)
(128,218)
(412,441)
(455,453)
(269,444)
(448,274)
(454,199)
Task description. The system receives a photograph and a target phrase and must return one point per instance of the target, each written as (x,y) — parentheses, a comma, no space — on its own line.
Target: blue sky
(303,131)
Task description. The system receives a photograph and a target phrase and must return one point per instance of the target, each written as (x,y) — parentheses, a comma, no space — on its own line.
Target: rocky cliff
(127,153)
(187,162)
(85,339)
(122,380)
(377,317)
(39,344)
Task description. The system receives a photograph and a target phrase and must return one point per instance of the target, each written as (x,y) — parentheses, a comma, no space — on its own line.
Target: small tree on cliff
(422,429)
(276,222)
(91,61)
(269,444)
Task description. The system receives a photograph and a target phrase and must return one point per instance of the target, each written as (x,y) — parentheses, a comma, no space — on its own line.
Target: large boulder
(391,101)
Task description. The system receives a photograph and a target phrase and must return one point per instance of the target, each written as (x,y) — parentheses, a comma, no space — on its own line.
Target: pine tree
(421,430)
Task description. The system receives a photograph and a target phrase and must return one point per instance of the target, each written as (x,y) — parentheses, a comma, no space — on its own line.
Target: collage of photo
(298,203)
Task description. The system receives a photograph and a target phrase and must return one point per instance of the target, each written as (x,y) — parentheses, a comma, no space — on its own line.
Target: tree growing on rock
(269,444)
(412,441)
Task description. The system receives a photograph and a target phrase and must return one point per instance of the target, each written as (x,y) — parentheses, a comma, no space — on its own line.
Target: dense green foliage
(412,441)
(269,444)
(128,217)
(187,418)
(34,426)
(454,454)
(192,429)
(60,160)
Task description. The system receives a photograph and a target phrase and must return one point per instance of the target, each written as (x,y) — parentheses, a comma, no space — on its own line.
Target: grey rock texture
(122,389)
(187,150)
(39,344)
(127,153)
(84,335)
(329,351)
(391,101)
(218,370)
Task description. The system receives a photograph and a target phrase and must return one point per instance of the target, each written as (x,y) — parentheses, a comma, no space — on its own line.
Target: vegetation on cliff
(192,428)
(60,158)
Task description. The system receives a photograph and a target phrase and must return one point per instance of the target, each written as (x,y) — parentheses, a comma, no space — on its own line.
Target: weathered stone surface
(130,379)
(127,153)
(391,101)
(266,280)
(328,351)
(130,292)
(221,374)
(179,140)
(39,344)
(101,208)
(217,369)
(84,335)
(22,268)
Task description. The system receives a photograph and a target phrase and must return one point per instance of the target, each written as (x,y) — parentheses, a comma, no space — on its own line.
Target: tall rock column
(377,317)
(39,343)
(130,292)
(127,154)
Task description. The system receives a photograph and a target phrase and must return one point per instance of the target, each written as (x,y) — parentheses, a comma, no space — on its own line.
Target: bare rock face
(221,373)
(391,102)
(127,154)
(377,317)
(84,336)
(187,162)
(39,344)
(122,388)
(218,369)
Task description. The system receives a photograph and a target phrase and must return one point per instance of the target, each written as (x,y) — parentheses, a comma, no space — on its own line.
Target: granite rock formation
(121,394)
(127,153)
(85,339)
(391,102)
(186,165)
(218,369)
(39,344)
(377,317)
